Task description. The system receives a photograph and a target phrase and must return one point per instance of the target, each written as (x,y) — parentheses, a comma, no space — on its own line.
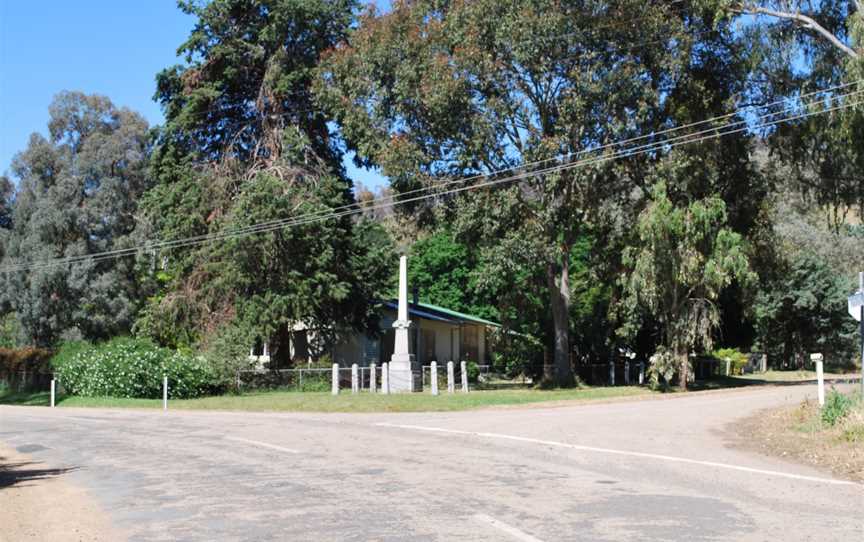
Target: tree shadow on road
(14,473)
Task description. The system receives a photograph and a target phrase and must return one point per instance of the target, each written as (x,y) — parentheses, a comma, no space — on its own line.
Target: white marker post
(355,383)
(334,386)
(626,373)
(641,372)
(373,376)
(820,378)
(728,366)
(53,388)
(385,378)
(451,381)
(856,311)
(164,393)
(433,377)
(861,325)
(464,368)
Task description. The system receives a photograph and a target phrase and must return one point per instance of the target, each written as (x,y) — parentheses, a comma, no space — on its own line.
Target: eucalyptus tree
(437,90)
(77,194)
(244,143)
(802,46)
(684,258)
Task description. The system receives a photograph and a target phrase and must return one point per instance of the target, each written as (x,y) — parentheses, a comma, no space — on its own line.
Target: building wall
(448,344)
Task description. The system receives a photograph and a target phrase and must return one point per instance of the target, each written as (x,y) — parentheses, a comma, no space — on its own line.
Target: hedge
(133,368)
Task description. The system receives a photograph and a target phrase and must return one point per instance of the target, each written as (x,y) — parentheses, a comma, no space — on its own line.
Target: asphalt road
(640,470)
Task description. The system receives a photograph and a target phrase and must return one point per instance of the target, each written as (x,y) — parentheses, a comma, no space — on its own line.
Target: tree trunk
(559,289)
(684,360)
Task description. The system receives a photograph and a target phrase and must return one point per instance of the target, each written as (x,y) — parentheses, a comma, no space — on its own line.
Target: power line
(268,226)
(728,129)
(168,244)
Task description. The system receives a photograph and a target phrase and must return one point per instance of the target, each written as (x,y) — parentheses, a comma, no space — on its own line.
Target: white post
(764,363)
(164,393)
(355,383)
(334,387)
(641,372)
(372,377)
(611,373)
(433,377)
(728,366)
(861,323)
(464,367)
(385,378)
(451,382)
(626,373)
(820,379)
(52,392)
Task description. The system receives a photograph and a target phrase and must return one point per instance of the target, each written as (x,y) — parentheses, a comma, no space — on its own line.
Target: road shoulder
(37,503)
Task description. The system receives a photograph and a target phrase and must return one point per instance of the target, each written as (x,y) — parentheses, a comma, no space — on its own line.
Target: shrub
(837,406)
(127,367)
(473,370)
(662,368)
(738,360)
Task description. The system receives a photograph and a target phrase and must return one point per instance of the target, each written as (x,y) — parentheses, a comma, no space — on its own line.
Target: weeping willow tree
(682,258)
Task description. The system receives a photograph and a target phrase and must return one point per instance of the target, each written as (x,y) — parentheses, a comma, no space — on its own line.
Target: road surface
(634,470)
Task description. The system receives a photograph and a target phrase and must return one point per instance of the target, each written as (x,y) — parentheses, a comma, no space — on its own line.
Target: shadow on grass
(26,398)
(16,473)
(726,382)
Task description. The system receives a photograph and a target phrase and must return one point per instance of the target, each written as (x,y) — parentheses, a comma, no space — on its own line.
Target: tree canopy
(77,194)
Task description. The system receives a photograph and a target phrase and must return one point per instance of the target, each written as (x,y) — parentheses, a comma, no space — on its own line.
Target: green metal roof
(459,315)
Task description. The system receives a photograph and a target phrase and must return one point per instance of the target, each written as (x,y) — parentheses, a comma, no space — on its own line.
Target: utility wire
(262,226)
(395,198)
(329,213)
(728,129)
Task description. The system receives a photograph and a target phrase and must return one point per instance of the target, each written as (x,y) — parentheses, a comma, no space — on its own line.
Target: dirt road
(639,470)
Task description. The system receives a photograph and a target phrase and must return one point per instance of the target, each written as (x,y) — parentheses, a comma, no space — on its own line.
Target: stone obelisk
(404,370)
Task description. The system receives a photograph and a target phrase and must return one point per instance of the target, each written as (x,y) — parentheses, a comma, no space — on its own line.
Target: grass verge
(802,433)
(324,402)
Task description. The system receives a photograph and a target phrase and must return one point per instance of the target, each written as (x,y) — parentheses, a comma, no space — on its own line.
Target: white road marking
(620,452)
(263,445)
(501,526)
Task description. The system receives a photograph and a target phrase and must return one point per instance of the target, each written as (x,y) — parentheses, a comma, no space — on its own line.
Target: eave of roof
(427,310)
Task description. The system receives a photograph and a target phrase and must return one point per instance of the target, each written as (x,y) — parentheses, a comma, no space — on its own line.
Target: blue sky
(110,47)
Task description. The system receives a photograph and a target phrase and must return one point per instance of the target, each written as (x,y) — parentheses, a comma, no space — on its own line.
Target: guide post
(856,311)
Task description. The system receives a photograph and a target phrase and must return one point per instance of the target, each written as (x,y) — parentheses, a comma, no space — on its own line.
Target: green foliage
(661,369)
(132,368)
(241,108)
(837,406)
(473,370)
(10,331)
(77,194)
(516,353)
(447,274)
(803,310)
(227,354)
(684,258)
(247,76)
(738,360)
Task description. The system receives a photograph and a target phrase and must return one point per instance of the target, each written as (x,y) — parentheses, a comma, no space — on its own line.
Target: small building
(436,334)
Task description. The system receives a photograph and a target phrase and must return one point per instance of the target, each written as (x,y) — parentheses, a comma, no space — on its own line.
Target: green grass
(324,402)
(294,401)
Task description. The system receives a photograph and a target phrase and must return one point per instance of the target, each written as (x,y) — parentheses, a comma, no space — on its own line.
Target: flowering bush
(132,368)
